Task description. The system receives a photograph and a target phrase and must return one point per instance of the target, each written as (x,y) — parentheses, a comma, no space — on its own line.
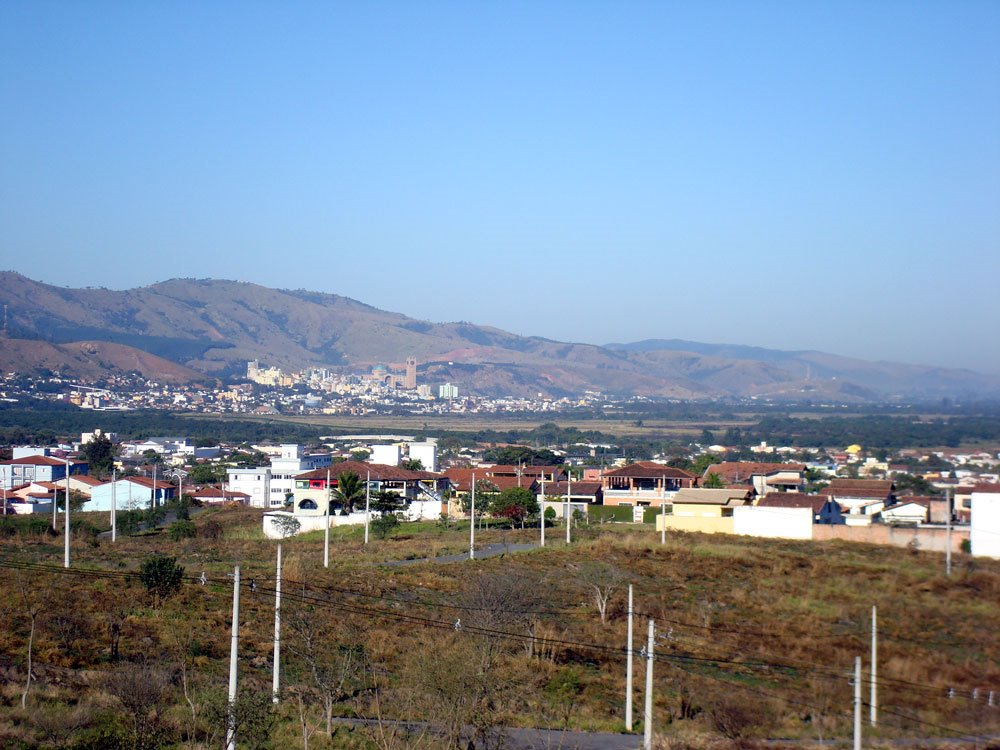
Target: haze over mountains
(186,329)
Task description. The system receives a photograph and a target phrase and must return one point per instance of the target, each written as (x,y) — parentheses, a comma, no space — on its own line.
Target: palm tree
(349,490)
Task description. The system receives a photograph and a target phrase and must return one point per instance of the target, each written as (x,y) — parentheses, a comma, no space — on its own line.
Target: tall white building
(268,486)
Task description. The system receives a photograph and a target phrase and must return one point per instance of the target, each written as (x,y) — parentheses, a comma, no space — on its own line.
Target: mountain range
(185,330)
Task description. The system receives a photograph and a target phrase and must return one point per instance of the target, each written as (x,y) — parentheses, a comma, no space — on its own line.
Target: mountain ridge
(214,326)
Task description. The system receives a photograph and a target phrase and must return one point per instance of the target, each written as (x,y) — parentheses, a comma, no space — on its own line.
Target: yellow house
(704,510)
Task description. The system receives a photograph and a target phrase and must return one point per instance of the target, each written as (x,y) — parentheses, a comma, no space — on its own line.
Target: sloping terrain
(90,361)
(214,327)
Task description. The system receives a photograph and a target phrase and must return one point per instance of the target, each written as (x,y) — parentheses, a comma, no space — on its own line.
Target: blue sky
(783,174)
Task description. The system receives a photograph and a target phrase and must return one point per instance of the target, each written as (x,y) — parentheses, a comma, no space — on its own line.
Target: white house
(130,493)
(270,486)
(909,514)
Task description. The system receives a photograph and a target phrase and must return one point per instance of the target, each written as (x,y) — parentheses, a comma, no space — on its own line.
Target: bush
(162,576)
(182,530)
(384,525)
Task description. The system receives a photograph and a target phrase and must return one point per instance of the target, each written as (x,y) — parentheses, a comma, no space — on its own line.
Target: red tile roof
(35,461)
(986,487)
(649,469)
(793,500)
(464,483)
(877,489)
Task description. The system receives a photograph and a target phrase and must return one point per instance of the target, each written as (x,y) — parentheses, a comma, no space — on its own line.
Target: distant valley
(185,330)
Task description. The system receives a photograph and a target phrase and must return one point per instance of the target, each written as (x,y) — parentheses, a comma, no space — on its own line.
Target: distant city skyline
(814,176)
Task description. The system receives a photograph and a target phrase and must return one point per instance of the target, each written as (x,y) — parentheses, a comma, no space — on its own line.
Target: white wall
(426,453)
(385,454)
(777,523)
(985,532)
(427,510)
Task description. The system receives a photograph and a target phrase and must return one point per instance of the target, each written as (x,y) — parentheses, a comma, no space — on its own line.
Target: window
(308,505)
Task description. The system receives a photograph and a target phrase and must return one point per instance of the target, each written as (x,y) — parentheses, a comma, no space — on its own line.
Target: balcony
(646,497)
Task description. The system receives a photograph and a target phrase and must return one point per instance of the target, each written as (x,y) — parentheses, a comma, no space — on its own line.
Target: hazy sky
(789,174)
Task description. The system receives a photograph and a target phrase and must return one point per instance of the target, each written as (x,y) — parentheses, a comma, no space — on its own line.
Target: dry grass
(723,599)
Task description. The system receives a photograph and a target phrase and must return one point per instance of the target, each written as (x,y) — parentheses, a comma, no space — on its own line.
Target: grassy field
(755,638)
(339,424)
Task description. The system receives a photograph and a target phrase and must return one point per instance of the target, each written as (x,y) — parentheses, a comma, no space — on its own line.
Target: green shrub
(162,576)
(182,529)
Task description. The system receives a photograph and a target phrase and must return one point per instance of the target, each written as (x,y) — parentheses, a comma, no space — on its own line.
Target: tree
(413,464)
(349,490)
(516,504)
(286,526)
(140,689)
(713,482)
(702,462)
(99,454)
(162,576)
(205,474)
(152,457)
(602,580)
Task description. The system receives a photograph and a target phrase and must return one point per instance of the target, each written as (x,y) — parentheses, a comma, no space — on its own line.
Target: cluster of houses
(740,497)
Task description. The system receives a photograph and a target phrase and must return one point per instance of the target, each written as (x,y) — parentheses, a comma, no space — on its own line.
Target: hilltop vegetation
(755,638)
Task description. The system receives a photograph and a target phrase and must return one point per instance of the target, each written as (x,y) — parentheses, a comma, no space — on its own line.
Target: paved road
(487,550)
(526,739)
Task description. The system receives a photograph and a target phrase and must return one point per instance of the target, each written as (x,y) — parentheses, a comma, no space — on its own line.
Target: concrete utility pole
(647,717)
(472,518)
(114,504)
(66,537)
(857,703)
(663,522)
(874,698)
(275,678)
(541,510)
(947,551)
(326,526)
(152,503)
(3,479)
(233,658)
(368,498)
(628,666)
(569,491)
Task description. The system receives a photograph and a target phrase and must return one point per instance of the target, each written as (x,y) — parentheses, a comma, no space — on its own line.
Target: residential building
(856,496)
(312,488)
(644,483)
(37,468)
(707,510)
(765,478)
(130,493)
(824,509)
(273,486)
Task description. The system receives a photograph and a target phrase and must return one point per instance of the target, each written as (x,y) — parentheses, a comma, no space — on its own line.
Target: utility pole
(874,698)
(857,703)
(326,526)
(541,510)
(628,666)
(153,501)
(368,498)
(277,630)
(947,551)
(472,518)
(233,656)
(663,521)
(66,538)
(569,491)
(647,717)
(114,504)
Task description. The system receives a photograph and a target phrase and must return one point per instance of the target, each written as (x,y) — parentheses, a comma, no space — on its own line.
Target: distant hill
(213,327)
